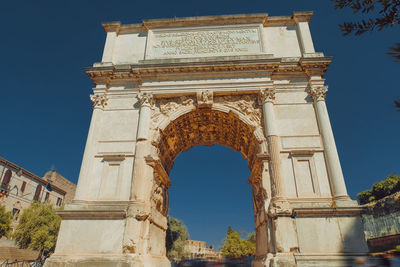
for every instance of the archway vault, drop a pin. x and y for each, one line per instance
(205, 126)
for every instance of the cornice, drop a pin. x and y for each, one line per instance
(216, 67)
(260, 18)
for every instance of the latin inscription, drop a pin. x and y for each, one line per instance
(205, 42)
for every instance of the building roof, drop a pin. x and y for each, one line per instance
(30, 175)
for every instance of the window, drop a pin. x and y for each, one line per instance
(23, 186)
(59, 201)
(37, 192)
(6, 180)
(47, 196)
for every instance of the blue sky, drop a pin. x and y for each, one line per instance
(45, 107)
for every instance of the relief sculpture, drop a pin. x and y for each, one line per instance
(246, 104)
(159, 198)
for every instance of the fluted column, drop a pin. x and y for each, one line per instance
(136, 227)
(141, 181)
(271, 132)
(318, 93)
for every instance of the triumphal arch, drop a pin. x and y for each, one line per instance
(253, 83)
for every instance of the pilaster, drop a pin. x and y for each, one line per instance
(99, 100)
(112, 33)
(303, 31)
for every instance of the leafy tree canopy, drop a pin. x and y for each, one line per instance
(5, 222)
(236, 247)
(382, 14)
(38, 228)
(176, 236)
(380, 189)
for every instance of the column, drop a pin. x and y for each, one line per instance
(271, 132)
(99, 101)
(135, 239)
(140, 168)
(318, 93)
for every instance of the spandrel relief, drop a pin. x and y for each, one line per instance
(245, 104)
(164, 107)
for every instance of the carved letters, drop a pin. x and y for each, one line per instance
(221, 41)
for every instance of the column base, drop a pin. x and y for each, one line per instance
(106, 261)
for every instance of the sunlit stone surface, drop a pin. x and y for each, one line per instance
(250, 82)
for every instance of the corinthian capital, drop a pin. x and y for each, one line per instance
(145, 99)
(99, 100)
(318, 93)
(268, 95)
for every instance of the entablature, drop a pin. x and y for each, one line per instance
(208, 67)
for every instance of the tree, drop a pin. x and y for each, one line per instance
(386, 16)
(384, 13)
(175, 239)
(38, 228)
(5, 222)
(380, 189)
(251, 244)
(235, 247)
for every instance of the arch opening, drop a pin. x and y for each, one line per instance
(209, 192)
(209, 126)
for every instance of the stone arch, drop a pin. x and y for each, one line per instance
(191, 125)
(241, 108)
(206, 126)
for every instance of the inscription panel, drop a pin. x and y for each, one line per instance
(205, 42)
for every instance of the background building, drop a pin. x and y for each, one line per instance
(19, 187)
(199, 250)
